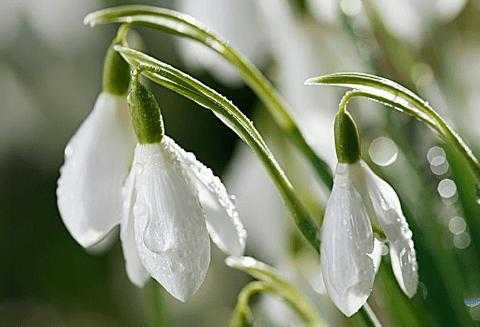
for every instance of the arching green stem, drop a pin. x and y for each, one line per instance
(400, 98)
(185, 26)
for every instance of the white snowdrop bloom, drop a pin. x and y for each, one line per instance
(360, 199)
(97, 161)
(172, 203)
(166, 207)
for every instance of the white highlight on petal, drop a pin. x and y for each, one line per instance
(223, 222)
(347, 246)
(136, 272)
(170, 230)
(389, 214)
(97, 160)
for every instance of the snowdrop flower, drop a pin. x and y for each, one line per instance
(168, 205)
(360, 199)
(172, 203)
(97, 160)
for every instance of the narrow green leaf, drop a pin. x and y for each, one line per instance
(180, 82)
(179, 24)
(398, 97)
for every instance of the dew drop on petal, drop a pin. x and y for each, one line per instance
(68, 151)
(447, 188)
(383, 151)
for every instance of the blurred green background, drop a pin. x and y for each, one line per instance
(50, 75)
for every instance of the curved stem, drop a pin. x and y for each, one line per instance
(242, 314)
(179, 24)
(434, 121)
(174, 79)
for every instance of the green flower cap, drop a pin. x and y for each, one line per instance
(145, 111)
(347, 143)
(116, 72)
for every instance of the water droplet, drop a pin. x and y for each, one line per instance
(462, 241)
(383, 151)
(435, 152)
(447, 188)
(439, 166)
(68, 151)
(457, 225)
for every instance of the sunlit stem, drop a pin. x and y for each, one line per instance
(431, 118)
(279, 110)
(183, 25)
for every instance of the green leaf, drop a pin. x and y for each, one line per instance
(179, 24)
(180, 82)
(398, 97)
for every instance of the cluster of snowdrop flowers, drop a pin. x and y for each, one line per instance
(350, 253)
(121, 169)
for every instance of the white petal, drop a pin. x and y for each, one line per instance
(223, 222)
(97, 159)
(136, 272)
(390, 217)
(347, 243)
(170, 229)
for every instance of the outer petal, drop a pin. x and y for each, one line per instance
(97, 160)
(223, 222)
(135, 269)
(170, 229)
(347, 245)
(390, 217)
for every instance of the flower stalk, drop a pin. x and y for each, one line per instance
(183, 25)
(116, 72)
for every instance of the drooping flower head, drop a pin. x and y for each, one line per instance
(165, 201)
(359, 200)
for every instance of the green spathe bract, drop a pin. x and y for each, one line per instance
(145, 111)
(116, 72)
(347, 143)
